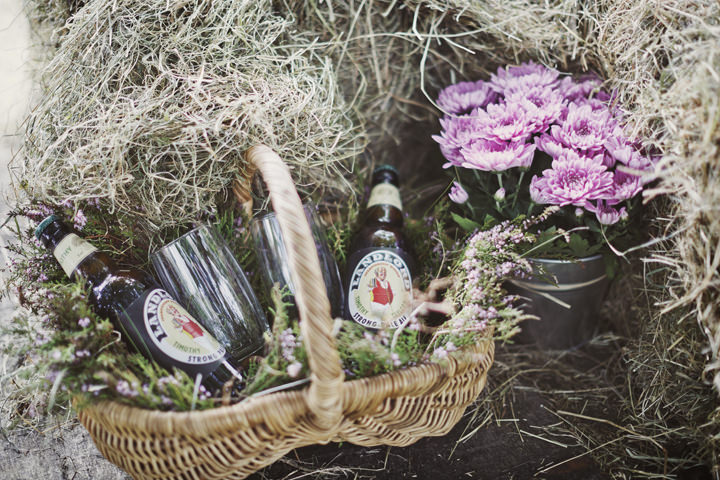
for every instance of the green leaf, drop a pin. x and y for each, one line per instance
(465, 223)
(578, 245)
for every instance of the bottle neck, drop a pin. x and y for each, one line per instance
(385, 194)
(54, 234)
(70, 251)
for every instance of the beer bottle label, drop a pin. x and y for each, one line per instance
(380, 290)
(177, 333)
(71, 251)
(385, 194)
(163, 330)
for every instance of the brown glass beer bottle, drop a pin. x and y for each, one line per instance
(379, 273)
(155, 324)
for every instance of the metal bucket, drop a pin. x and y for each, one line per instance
(566, 295)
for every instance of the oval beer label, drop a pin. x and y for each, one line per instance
(380, 293)
(177, 333)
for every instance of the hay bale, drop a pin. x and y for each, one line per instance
(150, 106)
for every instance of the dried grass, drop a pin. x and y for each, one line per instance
(150, 105)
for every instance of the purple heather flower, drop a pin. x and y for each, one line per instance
(293, 370)
(84, 322)
(542, 106)
(288, 343)
(124, 388)
(395, 359)
(492, 156)
(465, 96)
(584, 130)
(572, 180)
(505, 122)
(606, 214)
(458, 193)
(524, 76)
(440, 353)
(79, 220)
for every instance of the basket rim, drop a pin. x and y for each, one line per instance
(412, 380)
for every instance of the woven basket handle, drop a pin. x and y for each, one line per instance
(310, 296)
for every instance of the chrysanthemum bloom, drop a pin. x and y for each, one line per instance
(606, 214)
(458, 194)
(546, 143)
(627, 154)
(574, 90)
(492, 156)
(572, 180)
(624, 187)
(465, 96)
(524, 76)
(457, 132)
(584, 130)
(505, 122)
(542, 106)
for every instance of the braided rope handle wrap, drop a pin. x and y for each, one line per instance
(324, 394)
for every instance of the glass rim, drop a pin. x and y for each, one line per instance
(204, 226)
(272, 214)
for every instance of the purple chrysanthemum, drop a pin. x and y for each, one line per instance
(574, 90)
(457, 132)
(624, 187)
(572, 180)
(492, 156)
(457, 193)
(522, 77)
(505, 122)
(584, 130)
(626, 153)
(542, 106)
(465, 96)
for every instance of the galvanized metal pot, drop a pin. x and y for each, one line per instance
(567, 296)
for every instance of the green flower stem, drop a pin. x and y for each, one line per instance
(517, 190)
(497, 202)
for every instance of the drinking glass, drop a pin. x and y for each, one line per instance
(201, 273)
(273, 258)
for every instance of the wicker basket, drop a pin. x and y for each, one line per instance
(396, 408)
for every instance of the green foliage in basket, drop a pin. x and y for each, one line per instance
(69, 354)
(285, 358)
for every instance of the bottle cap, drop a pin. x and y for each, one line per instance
(385, 167)
(43, 225)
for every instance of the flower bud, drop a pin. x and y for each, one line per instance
(457, 193)
(499, 195)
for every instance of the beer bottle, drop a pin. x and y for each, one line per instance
(380, 265)
(155, 324)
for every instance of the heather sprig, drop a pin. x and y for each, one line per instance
(488, 259)
(285, 357)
